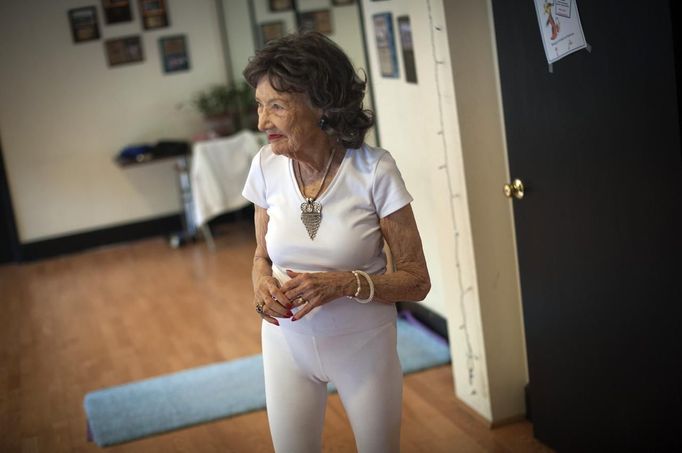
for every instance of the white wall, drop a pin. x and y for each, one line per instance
(420, 125)
(64, 114)
(421, 137)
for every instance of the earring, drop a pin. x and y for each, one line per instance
(323, 122)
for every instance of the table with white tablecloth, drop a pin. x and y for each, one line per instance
(218, 173)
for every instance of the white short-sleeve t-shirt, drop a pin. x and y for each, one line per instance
(366, 188)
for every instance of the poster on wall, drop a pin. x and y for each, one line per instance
(124, 50)
(560, 28)
(117, 11)
(84, 26)
(270, 31)
(320, 21)
(405, 31)
(153, 14)
(383, 34)
(174, 55)
(281, 5)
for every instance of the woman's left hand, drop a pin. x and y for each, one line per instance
(310, 290)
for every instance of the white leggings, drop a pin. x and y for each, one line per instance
(363, 366)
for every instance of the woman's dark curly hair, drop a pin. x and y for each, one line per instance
(310, 63)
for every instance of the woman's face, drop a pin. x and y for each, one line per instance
(288, 119)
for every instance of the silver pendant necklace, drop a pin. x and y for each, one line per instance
(311, 210)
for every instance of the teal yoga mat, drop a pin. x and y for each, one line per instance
(198, 395)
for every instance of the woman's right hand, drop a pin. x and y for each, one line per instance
(273, 301)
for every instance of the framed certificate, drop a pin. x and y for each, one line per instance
(174, 55)
(124, 50)
(154, 14)
(320, 21)
(281, 5)
(405, 31)
(385, 41)
(84, 26)
(117, 11)
(270, 31)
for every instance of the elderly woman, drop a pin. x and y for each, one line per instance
(324, 204)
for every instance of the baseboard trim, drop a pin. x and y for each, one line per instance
(508, 421)
(473, 413)
(428, 317)
(62, 245)
(484, 421)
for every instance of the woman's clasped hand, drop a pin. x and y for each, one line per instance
(304, 290)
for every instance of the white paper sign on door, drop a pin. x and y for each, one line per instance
(560, 28)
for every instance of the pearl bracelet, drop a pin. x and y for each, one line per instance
(371, 287)
(357, 280)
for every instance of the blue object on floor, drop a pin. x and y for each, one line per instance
(198, 395)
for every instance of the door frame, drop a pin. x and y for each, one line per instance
(473, 57)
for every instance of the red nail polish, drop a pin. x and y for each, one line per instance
(276, 322)
(293, 319)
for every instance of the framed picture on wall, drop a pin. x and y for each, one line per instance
(84, 26)
(124, 50)
(320, 21)
(270, 31)
(117, 11)
(153, 14)
(174, 55)
(342, 2)
(383, 34)
(405, 32)
(281, 5)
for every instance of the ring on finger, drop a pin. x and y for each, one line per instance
(259, 308)
(302, 300)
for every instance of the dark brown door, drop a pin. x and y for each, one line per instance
(597, 144)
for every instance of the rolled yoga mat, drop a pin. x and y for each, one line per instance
(207, 393)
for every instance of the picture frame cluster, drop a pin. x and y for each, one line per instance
(319, 20)
(123, 50)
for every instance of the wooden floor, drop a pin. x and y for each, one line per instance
(81, 322)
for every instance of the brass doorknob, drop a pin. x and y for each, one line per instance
(515, 189)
